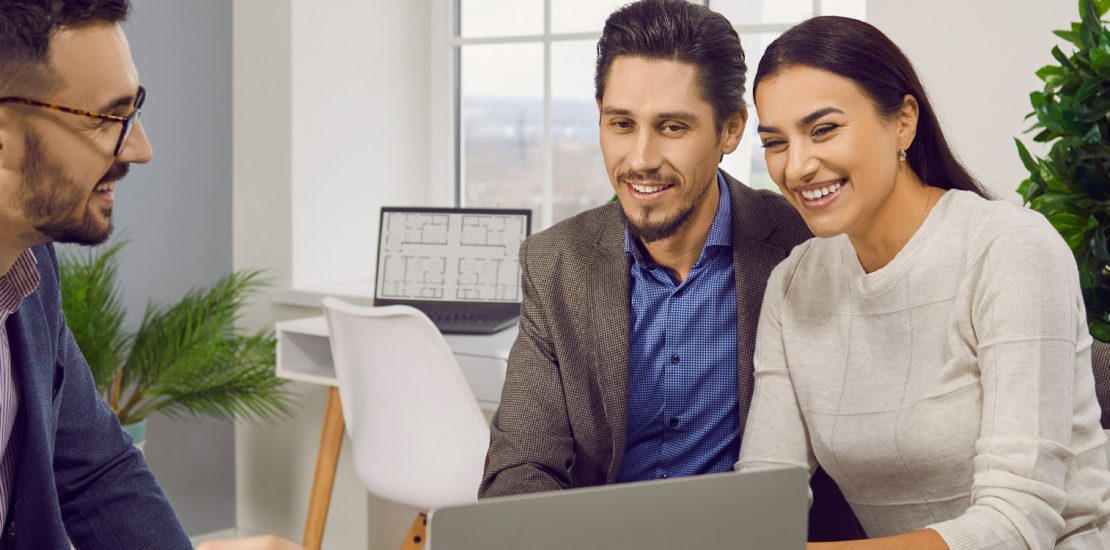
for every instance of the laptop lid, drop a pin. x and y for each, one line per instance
(467, 257)
(760, 509)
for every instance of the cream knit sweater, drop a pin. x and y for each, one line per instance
(951, 389)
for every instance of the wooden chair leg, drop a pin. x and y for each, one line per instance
(414, 540)
(331, 441)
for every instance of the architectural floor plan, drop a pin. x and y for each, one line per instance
(451, 256)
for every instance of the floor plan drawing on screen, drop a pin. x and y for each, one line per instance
(452, 256)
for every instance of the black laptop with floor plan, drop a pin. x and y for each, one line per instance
(460, 266)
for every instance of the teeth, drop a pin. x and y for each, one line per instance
(648, 189)
(814, 194)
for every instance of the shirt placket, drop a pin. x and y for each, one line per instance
(675, 387)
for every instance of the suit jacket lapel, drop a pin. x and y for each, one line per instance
(611, 305)
(753, 260)
(34, 370)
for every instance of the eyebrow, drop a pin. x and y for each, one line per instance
(684, 116)
(118, 103)
(805, 121)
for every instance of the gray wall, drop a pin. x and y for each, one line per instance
(176, 211)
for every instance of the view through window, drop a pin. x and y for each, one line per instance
(528, 123)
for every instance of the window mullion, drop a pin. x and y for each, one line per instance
(548, 206)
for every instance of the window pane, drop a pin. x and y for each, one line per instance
(484, 18)
(502, 125)
(847, 8)
(580, 182)
(757, 12)
(581, 15)
(746, 163)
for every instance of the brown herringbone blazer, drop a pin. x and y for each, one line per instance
(563, 416)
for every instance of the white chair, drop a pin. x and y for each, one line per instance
(419, 437)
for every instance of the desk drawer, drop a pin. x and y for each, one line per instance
(486, 376)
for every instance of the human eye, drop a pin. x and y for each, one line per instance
(621, 124)
(674, 128)
(824, 130)
(773, 144)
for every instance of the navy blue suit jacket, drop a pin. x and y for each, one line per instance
(77, 472)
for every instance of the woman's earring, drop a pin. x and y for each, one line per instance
(902, 155)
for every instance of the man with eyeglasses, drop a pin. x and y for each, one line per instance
(70, 102)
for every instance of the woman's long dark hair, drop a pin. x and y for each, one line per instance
(860, 52)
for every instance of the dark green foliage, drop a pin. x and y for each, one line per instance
(185, 358)
(1071, 185)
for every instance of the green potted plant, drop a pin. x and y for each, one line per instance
(184, 358)
(1071, 184)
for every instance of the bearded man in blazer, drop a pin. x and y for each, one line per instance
(638, 318)
(70, 101)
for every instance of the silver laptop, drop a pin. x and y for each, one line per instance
(460, 266)
(762, 509)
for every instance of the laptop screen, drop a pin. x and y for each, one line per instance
(450, 254)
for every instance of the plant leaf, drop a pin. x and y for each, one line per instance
(93, 309)
(1099, 248)
(1026, 158)
(1052, 75)
(1070, 36)
(1100, 330)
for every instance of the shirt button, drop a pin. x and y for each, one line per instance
(663, 476)
(674, 422)
(674, 359)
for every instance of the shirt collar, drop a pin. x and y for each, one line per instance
(720, 232)
(19, 282)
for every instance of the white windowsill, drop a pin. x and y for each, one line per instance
(356, 292)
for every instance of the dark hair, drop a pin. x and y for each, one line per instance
(25, 30)
(681, 31)
(860, 52)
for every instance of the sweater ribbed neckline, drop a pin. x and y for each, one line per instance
(882, 279)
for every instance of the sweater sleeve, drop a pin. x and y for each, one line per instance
(1027, 314)
(775, 433)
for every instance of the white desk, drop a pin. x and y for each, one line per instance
(304, 354)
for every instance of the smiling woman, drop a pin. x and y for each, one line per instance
(928, 348)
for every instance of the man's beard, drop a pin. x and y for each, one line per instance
(50, 198)
(647, 231)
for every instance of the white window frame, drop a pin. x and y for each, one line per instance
(448, 169)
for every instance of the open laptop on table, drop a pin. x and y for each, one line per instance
(761, 509)
(460, 266)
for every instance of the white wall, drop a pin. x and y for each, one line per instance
(331, 121)
(360, 129)
(977, 60)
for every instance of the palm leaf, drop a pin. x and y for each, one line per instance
(185, 332)
(235, 380)
(186, 358)
(94, 310)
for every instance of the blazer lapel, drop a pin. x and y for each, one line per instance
(611, 304)
(34, 370)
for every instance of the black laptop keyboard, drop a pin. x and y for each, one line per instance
(455, 317)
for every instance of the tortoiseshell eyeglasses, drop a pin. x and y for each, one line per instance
(128, 122)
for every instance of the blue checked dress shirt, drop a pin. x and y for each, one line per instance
(683, 412)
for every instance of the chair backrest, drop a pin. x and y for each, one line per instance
(1100, 364)
(419, 437)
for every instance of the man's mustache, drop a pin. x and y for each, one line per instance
(654, 175)
(117, 172)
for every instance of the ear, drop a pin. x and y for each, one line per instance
(907, 121)
(732, 130)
